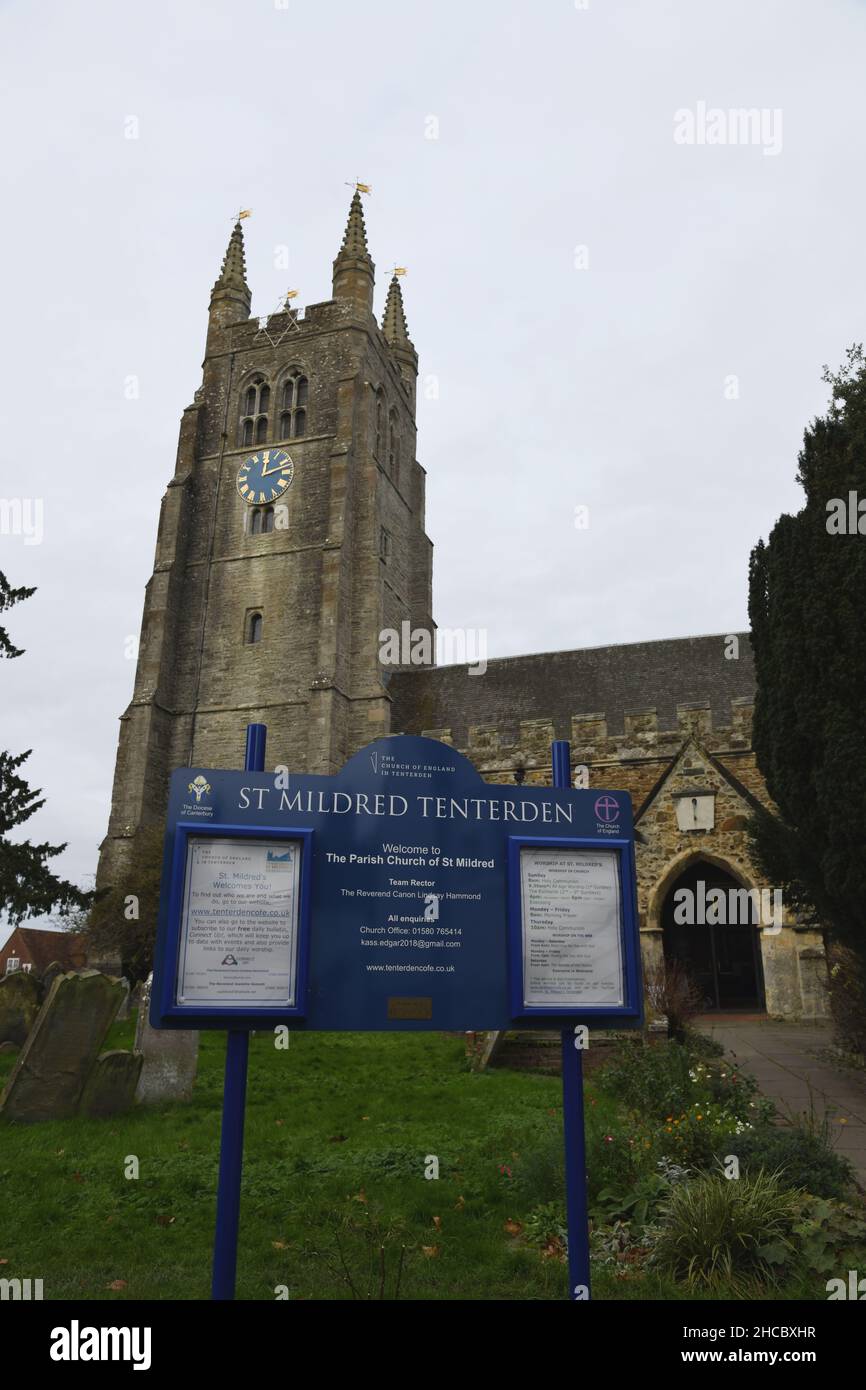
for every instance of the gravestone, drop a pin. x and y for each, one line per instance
(19, 1005)
(50, 974)
(170, 1058)
(123, 1012)
(110, 1087)
(49, 1077)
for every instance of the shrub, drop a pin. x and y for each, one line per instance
(650, 1077)
(848, 999)
(804, 1157)
(713, 1231)
(672, 994)
(634, 1206)
(694, 1137)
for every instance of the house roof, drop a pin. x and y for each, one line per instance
(45, 947)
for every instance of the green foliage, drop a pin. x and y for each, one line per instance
(804, 1157)
(847, 993)
(665, 1080)
(28, 888)
(636, 1205)
(8, 599)
(714, 1231)
(545, 1226)
(118, 926)
(807, 597)
(830, 1236)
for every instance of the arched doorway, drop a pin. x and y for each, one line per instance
(723, 957)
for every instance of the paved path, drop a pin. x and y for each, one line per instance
(782, 1058)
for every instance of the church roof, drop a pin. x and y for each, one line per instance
(608, 681)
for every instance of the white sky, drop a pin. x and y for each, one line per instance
(558, 387)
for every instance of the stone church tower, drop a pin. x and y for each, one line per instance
(272, 613)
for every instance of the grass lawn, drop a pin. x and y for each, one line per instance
(338, 1131)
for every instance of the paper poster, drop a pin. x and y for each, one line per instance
(239, 926)
(571, 922)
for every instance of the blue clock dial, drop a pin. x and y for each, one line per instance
(265, 476)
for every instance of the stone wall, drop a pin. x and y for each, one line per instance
(699, 746)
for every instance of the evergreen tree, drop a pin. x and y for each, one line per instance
(122, 921)
(807, 608)
(28, 888)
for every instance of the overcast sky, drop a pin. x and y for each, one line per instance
(616, 318)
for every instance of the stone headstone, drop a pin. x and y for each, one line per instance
(19, 1005)
(110, 1087)
(50, 974)
(170, 1058)
(123, 1012)
(49, 1077)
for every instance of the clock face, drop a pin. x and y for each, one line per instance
(265, 476)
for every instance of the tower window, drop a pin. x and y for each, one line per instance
(384, 545)
(293, 420)
(261, 521)
(393, 447)
(254, 627)
(255, 405)
(380, 423)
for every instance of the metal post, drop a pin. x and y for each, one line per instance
(577, 1214)
(225, 1247)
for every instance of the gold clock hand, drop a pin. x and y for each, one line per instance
(277, 468)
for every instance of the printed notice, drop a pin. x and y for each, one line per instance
(239, 928)
(571, 913)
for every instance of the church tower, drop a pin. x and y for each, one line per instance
(291, 534)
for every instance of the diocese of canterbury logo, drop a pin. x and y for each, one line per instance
(200, 787)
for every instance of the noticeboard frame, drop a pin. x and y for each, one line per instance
(630, 1013)
(166, 1007)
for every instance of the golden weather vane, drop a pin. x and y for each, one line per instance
(358, 186)
(399, 270)
(244, 212)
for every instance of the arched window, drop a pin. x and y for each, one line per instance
(255, 403)
(393, 446)
(293, 420)
(262, 521)
(254, 628)
(380, 423)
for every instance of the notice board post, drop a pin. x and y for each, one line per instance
(574, 1129)
(225, 1249)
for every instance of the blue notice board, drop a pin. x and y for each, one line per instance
(403, 893)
